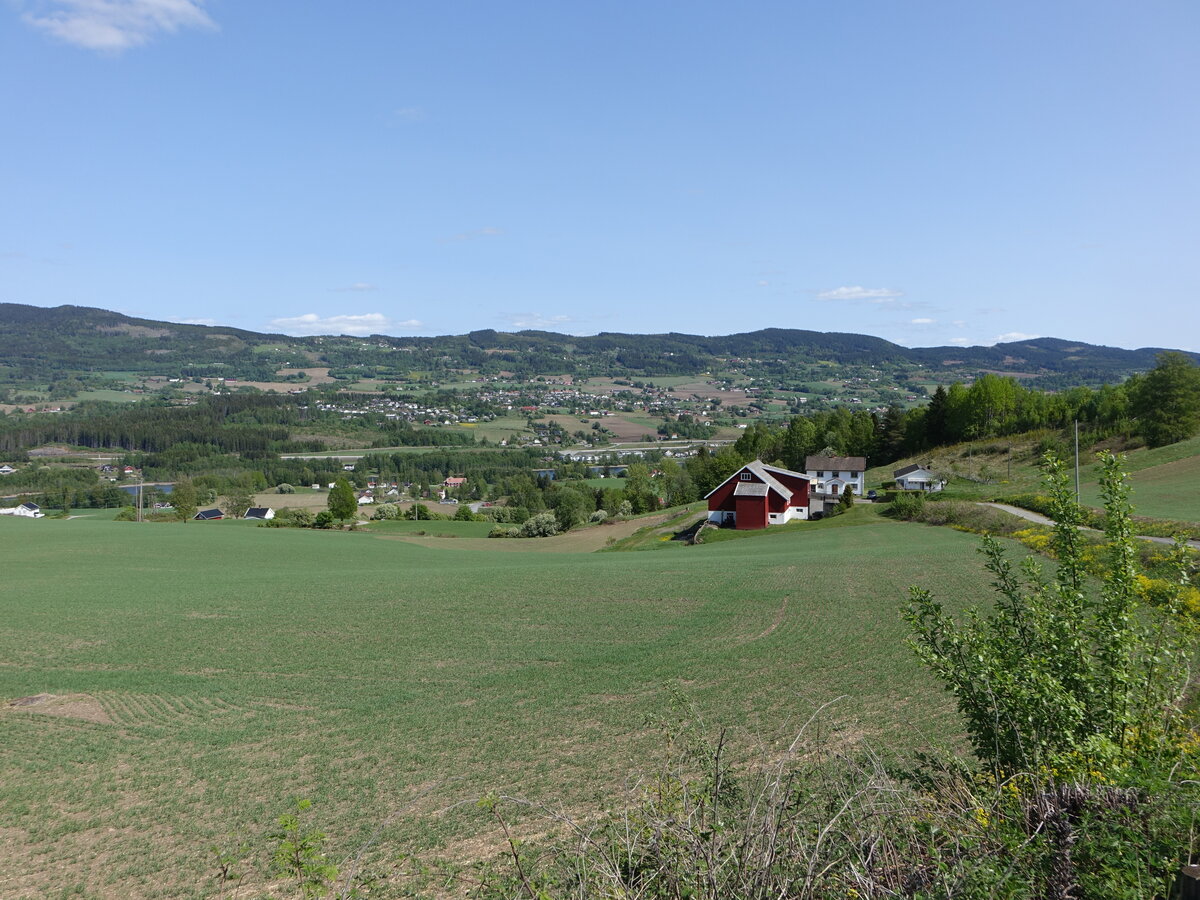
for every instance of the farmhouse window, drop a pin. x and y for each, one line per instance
(745, 476)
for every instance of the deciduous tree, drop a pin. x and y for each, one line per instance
(1166, 400)
(342, 502)
(183, 499)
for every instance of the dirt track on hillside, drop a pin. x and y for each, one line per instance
(585, 540)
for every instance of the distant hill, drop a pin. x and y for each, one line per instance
(44, 344)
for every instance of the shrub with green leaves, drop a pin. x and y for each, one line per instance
(907, 505)
(1061, 676)
(386, 512)
(542, 525)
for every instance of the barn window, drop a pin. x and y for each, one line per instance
(745, 476)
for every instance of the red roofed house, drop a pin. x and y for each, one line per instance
(454, 482)
(758, 495)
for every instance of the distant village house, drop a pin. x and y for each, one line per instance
(25, 510)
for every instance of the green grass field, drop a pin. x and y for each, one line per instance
(609, 482)
(431, 527)
(1166, 480)
(202, 676)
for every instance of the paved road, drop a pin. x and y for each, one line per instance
(1042, 520)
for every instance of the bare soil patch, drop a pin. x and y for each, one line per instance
(686, 391)
(65, 706)
(135, 330)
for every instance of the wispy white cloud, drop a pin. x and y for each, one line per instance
(356, 288)
(114, 26)
(923, 321)
(536, 321)
(858, 292)
(367, 323)
(1009, 336)
(476, 234)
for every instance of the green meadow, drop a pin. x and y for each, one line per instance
(169, 687)
(1165, 480)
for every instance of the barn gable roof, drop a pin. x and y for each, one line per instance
(763, 471)
(751, 489)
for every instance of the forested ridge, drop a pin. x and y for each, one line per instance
(42, 343)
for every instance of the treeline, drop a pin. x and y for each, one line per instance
(250, 424)
(1162, 406)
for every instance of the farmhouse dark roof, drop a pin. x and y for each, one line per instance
(915, 467)
(210, 514)
(257, 512)
(841, 463)
(32, 507)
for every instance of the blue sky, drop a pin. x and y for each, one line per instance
(929, 172)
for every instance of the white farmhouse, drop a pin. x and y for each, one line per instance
(831, 475)
(26, 510)
(917, 478)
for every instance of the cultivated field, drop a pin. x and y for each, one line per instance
(165, 688)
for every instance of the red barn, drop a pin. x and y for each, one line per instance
(758, 495)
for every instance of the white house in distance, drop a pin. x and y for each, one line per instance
(833, 474)
(259, 512)
(6, 469)
(917, 478)
(26, 510)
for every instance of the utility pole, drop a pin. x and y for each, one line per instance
(1076, 460)
(139, 515)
